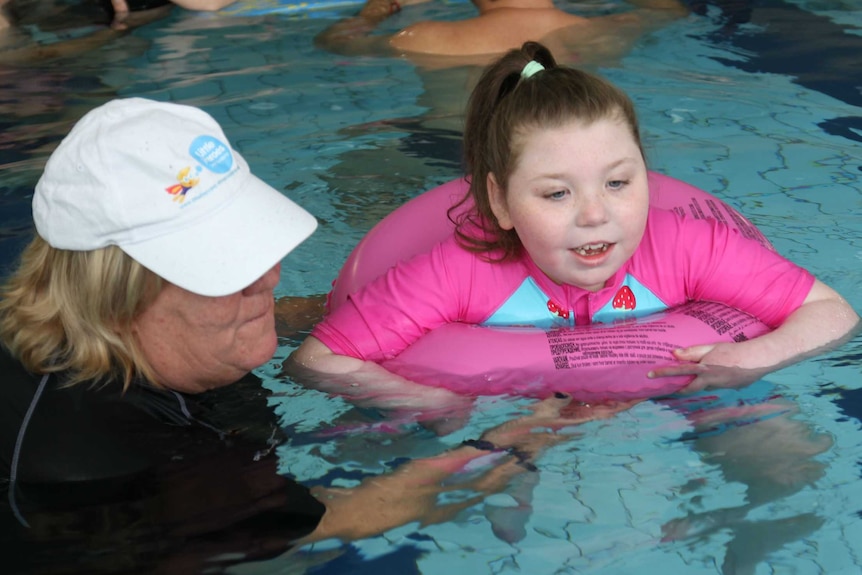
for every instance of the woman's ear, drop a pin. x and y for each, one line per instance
(497, 200)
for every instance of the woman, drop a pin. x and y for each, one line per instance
(148, 286)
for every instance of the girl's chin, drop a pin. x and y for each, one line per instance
(590, 287)
(586, 281)
(588, 284)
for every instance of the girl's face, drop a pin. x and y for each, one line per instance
(578, 200)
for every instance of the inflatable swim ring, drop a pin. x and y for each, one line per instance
(592, 363)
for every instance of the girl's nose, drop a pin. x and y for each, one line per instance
(266, 282)
(592, 211)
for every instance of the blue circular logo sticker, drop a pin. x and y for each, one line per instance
(212, 154)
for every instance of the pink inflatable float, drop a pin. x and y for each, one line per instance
(592, 363)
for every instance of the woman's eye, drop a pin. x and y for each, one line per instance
(616, 184)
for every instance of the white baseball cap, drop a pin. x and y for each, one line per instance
(161, 181)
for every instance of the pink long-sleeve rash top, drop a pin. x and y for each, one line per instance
(679, 260)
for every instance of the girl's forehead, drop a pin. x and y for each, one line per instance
(575, 128)
(577, 146)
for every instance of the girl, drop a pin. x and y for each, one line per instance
(561, 228)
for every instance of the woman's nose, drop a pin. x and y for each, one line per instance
(266, 282)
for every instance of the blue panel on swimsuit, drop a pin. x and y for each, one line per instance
(527, 306)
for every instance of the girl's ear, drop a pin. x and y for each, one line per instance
(497, 200)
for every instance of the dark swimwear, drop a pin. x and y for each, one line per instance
(137, 482)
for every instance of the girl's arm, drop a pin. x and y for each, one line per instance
(413, 297)
(367, 384)
(823, 322)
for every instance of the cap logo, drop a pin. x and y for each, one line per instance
(186, 180)
(212, 153)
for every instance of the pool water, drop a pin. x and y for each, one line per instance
(755, 101)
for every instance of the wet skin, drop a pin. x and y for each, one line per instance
(197, 342)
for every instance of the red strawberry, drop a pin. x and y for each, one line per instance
(625, 299)
(555, 308)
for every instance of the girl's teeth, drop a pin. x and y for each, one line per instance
(591, 249)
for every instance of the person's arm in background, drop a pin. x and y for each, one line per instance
(670, 5)
(604, 40)
(660, 9)
(651, 14)
(5, 21)
(353, 36)
(122, 14)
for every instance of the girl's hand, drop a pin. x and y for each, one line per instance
(695, 353)
(714, 366)
(823, 322)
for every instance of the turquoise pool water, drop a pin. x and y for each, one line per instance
(764, 112)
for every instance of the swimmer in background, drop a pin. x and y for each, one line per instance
(449, 56)
(559, 181)
(78, 29)
(123, 9)
(500, 25)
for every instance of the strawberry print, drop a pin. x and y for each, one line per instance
(625, 299)
(555, 308)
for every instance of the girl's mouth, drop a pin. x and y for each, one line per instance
(588, 250)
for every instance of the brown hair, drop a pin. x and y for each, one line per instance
(72, 312)
(502, 109)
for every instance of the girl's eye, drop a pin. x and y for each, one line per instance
(557, 195)
(616, 184)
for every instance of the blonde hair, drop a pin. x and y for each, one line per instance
(72, 311)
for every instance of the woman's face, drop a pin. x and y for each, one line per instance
(578, 199)
(195, 342)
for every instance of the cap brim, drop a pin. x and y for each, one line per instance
(229, 250)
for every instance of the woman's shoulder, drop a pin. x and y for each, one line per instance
(96, 431)
(54, 434)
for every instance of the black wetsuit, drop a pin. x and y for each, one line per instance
(141, 482)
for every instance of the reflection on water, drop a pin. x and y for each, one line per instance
(763, 447)
(732, 482)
